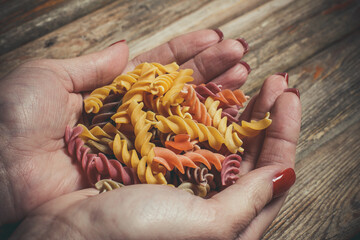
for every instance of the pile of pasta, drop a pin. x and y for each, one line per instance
(152, 126)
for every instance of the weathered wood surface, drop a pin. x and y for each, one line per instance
(317, 42)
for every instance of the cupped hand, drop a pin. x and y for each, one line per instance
(44, 96)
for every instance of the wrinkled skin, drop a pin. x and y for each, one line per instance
(45, 189)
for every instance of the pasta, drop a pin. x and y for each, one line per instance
(152, 126)
(198, 176)
(229, 98)
(170, 160)
(209, 90)
(180, 125)
(96, 166)
(230, 170)
(95, 101)
(197, 190)
(196, 108)
(106, 185)
(108, 109)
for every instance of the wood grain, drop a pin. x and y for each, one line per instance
(24, 21)
(325, 201)
(317, 42)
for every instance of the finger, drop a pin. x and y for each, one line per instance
(179, 49)
(245, 199)
(271, 89)
(234, 77)
(262, 221)
(282, 135)
(90, 71)
(215, 60)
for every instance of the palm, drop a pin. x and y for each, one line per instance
(35, 141)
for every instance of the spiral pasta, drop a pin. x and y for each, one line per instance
(95, 101)
(198, 176)
(252, 128)
(96, 166)
(151, 126)
(196, 108)
(107, 185)
(232, 140)
(154, 104)
(170, 160)
(230, 170)
(197, 190)
(229, 98)
(110, 104)
(179, 125)
(143, 145)
(204, 91)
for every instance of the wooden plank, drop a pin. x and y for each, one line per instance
(129, 21)
(16, 13)
(30, 20)
(324, 203)
(285, 44)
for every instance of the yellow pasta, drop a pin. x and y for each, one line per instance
(154, 103)
(97, 133)
(232, 140)
(195, 130)
(145, 83)
(95, 101)
(252, 128)
(171, 96)
(143, 145)
(162, 83)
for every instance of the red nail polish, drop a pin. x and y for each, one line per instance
(123, 40)
(293, 90)
(248, 68)
(283, 181)
(245, 45)
(220, 33)
(285, 75)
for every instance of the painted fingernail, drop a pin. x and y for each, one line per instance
(293, 90)
(248, 68)
(283, 181)
(220, 33)
(120, 41)
(285, 75)
(245, 45)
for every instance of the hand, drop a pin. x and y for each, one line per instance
(35, 161)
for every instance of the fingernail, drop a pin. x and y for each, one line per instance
(220, 33)
(123, 40)
(283, 181)
(246, 66)
(293, 90)
(285, 75)
(245, 44)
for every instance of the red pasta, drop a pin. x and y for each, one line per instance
(230, 170)
(210, 89)
(96, 166)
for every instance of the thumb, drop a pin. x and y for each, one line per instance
(93, 70)
(245, 199)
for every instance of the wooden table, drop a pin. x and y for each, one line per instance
(316, 41)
